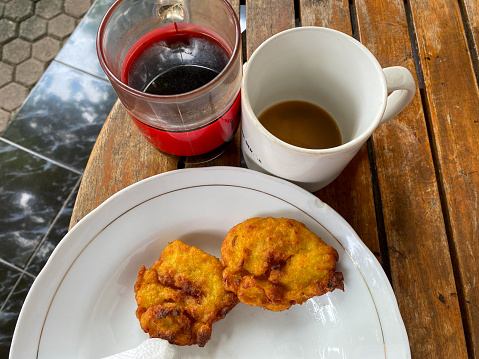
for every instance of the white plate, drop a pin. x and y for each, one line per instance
(82, 304)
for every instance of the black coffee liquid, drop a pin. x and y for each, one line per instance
(180, 79)
(174, 61)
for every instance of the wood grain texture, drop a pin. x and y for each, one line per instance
(471, 10)
(421, 269)
(265, 18)
(333, 14)
(121, 156)
(235, 4)
(351, 193)
(452, 100)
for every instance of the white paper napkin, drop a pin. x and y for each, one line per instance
(150, 349)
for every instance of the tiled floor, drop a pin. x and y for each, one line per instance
(43, 152)
(31, 34)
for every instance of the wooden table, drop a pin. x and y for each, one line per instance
(411, 193)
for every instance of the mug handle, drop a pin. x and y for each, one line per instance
(401, 89)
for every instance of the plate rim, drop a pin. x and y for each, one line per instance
(90, 220)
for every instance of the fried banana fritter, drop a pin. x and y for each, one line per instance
(275, 263)
(182, 295)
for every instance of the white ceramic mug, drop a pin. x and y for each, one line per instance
(329, 69)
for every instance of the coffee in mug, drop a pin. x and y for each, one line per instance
(327, 69)
(302, 124)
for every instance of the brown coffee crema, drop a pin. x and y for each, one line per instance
(301, 124)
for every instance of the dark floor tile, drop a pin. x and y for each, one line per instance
(80, 49)
(10, 311)
(8, 278)
(32, 192)
(54, 236)
(63, 115)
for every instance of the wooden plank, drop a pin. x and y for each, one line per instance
(235, 4)
(265, 18)
(471, 10)
(121, 156)
(351, 193)
(421, 269)
(330, 14)
(452, 100)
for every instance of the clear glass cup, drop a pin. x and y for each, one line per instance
(193, 121)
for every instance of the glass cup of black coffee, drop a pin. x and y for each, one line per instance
(176, 67)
